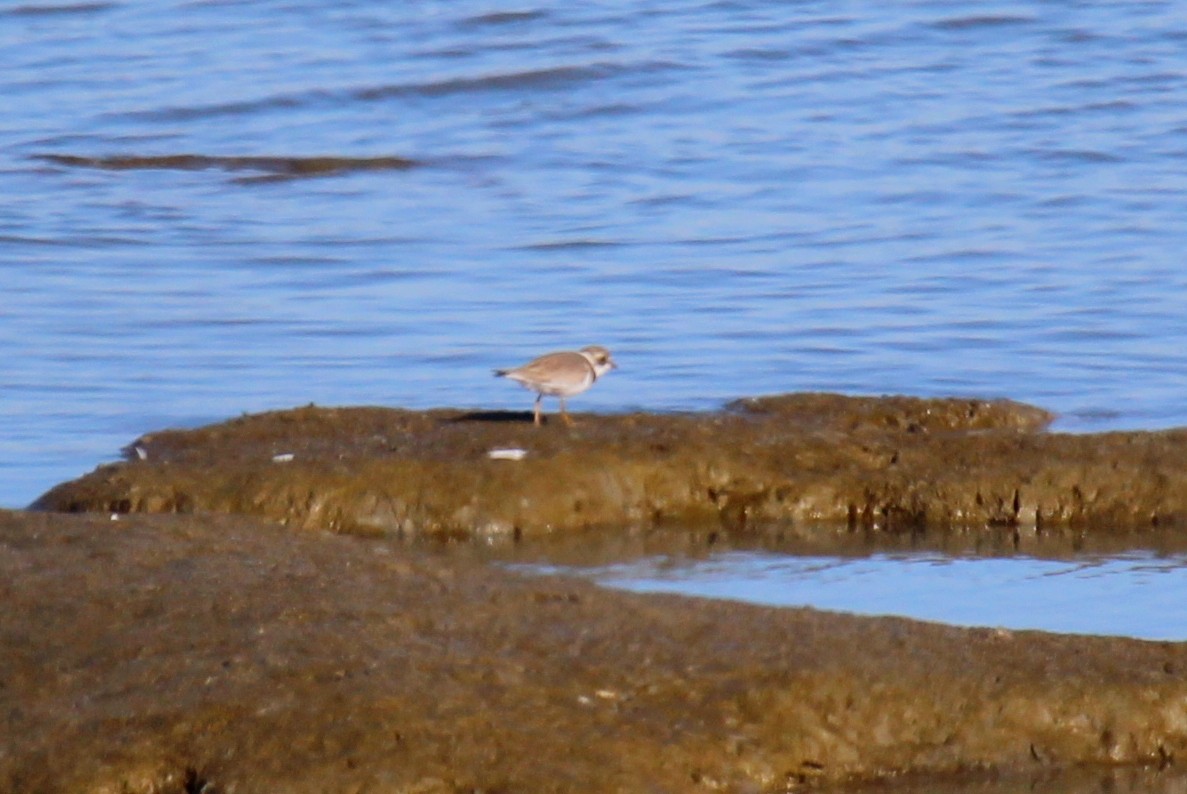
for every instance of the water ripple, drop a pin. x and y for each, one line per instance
(975, 21)
(504, 18)
(737, 197)
(549, 79)
(64, 9)
(554, 78)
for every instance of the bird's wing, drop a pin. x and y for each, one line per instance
(554, 369)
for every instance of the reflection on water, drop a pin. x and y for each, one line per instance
(1124, 584)
(1136, 594)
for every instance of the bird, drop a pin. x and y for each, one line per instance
(561, 374)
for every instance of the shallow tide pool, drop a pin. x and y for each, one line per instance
(1136, 594)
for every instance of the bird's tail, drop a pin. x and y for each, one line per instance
(500, 373)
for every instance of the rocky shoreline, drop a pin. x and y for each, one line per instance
(180, 636)
(889, 464)
(222, 653)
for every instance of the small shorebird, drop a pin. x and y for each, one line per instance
(561, 374)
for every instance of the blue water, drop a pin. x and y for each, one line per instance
(1135, 594)
(931, 198)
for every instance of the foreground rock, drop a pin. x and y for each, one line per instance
(885, 463)
(180, 654)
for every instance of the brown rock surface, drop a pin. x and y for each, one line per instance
(886, 463)
(222, 654)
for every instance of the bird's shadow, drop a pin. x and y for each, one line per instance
(494, 416)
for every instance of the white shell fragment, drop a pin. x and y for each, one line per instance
(283, 457)
(507, 453)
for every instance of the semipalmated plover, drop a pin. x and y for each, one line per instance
(561, 374)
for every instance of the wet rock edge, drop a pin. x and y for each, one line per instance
(885, 464)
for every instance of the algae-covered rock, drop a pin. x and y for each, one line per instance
(889, 463)
(174, 654)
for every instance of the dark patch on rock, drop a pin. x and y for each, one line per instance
(269, 167)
